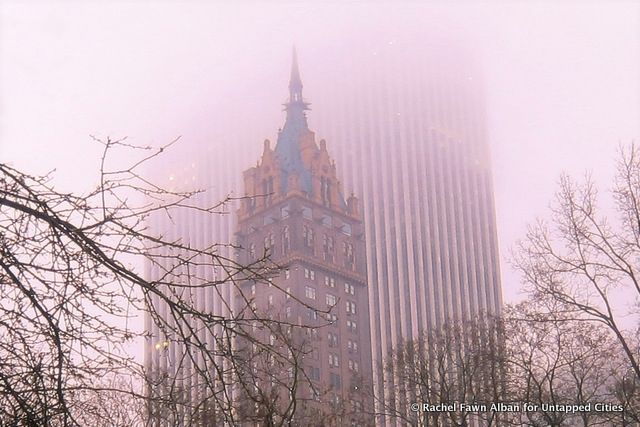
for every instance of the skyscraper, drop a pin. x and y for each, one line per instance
(410, 135)
(297, 213)
(407, 128)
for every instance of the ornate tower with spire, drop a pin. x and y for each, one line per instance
(296, 212)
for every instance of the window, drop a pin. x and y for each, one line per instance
(272, 340)
(308, 236)
(325, 190)
(331, 300)
(327, 247)
(349, 289)
(270, 300)
(288, 290)
(314, 373)
(267, 189)
(314, 393)
(332, 318)
(287, 273)
(286, 240)
(332, 339)
(346, 229)
(351, 307)
(309, 274)
(352, 346)
(335, 400)
(312, 314)
(329, 281)
(252, 250)
(334, 380)
(353, 366)
(349, 258)
(269, 241)
(352, 326)
(310, 292)
(253, 289)
(285, 212)
(326, 221)
(289, 312)
(334, 361)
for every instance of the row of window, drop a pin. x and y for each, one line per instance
(334, 362)
(310, 291)
(308, 238)
(333, 341)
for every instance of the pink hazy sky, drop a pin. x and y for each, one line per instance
(562, 80)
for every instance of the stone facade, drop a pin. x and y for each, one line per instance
(295, 213)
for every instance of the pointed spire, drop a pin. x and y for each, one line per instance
(288, 149)
(296, 104)
(295, 82)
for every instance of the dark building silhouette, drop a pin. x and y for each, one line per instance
(298, 215)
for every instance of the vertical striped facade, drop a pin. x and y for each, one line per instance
(407, 126)
(410, 135)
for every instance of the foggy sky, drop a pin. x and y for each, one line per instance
(562, 81)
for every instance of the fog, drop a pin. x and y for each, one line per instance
(561, 81)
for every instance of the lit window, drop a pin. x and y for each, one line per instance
(288, 290)
(348, 288)
(310, 292)
(309, 274)
(350, 307)
(332, 339)
(331, 300)
(287, 273)
(334, 361)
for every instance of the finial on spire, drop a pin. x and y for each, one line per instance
(295, 82)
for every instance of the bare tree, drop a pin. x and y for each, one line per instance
(71, 294)
(583, 258)
(460, 362)
(553, 360)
